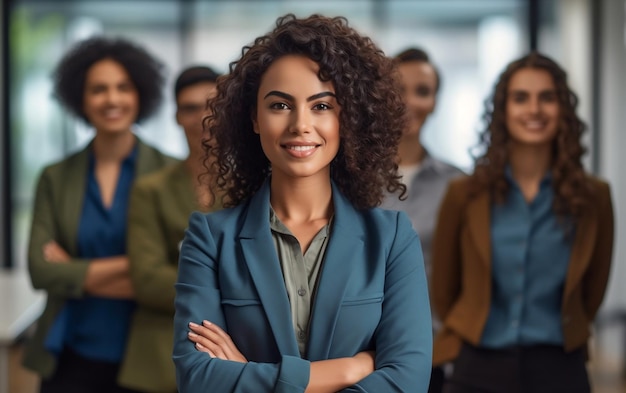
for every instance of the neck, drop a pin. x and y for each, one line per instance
(530, 163)
(410, 150)
(113, 147)
(194, 163)
(302, 199)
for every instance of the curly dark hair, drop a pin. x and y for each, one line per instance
(144, 70)
(571, 185)
(367, 88)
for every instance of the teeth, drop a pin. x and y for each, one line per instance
(301, 148)
(534, 124)
(113, 113)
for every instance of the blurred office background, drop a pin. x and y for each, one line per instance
(469, 40)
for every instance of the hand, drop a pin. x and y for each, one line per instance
(211, 339)
(365, 364)
(54, 253)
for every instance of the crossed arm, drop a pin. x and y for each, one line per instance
(53, 269)
(402, 340)
(325, 375)
(105, 277)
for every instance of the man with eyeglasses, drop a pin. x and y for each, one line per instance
(159, 209)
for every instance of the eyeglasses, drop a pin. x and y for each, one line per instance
(190, 109)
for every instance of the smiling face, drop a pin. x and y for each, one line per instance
(419, 83)
(110, 100)
(297, 118)
(532, 107)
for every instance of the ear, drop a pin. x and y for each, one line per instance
(434, 105)
(255, 123)
(178, 118)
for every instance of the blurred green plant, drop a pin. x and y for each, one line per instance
(31, 38)
(28, 37)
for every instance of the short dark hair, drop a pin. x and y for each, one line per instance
(192, 75)
(144, 70)
(418, 54)
(368, 92)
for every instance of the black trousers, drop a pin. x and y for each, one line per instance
(436, 380)
(532, 369)
(77, 374)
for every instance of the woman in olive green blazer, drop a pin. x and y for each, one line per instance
(58, 201)
(77, 247)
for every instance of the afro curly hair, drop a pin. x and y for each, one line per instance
(144, 70)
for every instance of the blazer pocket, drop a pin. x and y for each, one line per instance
(357, 321)
(364, 299)
(240, 302)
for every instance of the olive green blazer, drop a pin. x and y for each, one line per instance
(461, 284)
(159, 210)
(57, 209)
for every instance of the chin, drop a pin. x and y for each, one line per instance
(535, 140)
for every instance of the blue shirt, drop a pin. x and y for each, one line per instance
(530, 250)
(97, 327)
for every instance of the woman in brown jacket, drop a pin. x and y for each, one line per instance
(522, 249)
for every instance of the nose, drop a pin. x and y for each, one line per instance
(534, 105)
(301, 121)
(112, 96)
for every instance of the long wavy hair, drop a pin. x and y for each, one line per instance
(367, 89)
(570, 183)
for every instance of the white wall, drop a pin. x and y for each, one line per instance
(613, 136)
(2, 131)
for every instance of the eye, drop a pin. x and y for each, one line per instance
(322, 107)
(279, 106)
(548, 96)
(519, 97)
(126, 87)
(96, 89)
(422, 91)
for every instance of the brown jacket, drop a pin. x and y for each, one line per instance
(461, 281)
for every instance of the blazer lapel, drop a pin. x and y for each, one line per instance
(147, 159)
(479, 224)
(582, 249)
(74, 196)
(260, 255)
(183, 188)
(346, 242)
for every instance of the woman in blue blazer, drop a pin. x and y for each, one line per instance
(301, 284)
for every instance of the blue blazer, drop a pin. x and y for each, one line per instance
(371, 295)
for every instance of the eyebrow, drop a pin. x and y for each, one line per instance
(291, 98)
(522, 91)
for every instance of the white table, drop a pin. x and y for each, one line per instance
(20, 306)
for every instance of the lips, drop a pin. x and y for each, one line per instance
(535, 125)
(300, 150)
(113, 114)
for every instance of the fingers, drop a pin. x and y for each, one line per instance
(211, 339)
(202, 348)
(52, 252)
